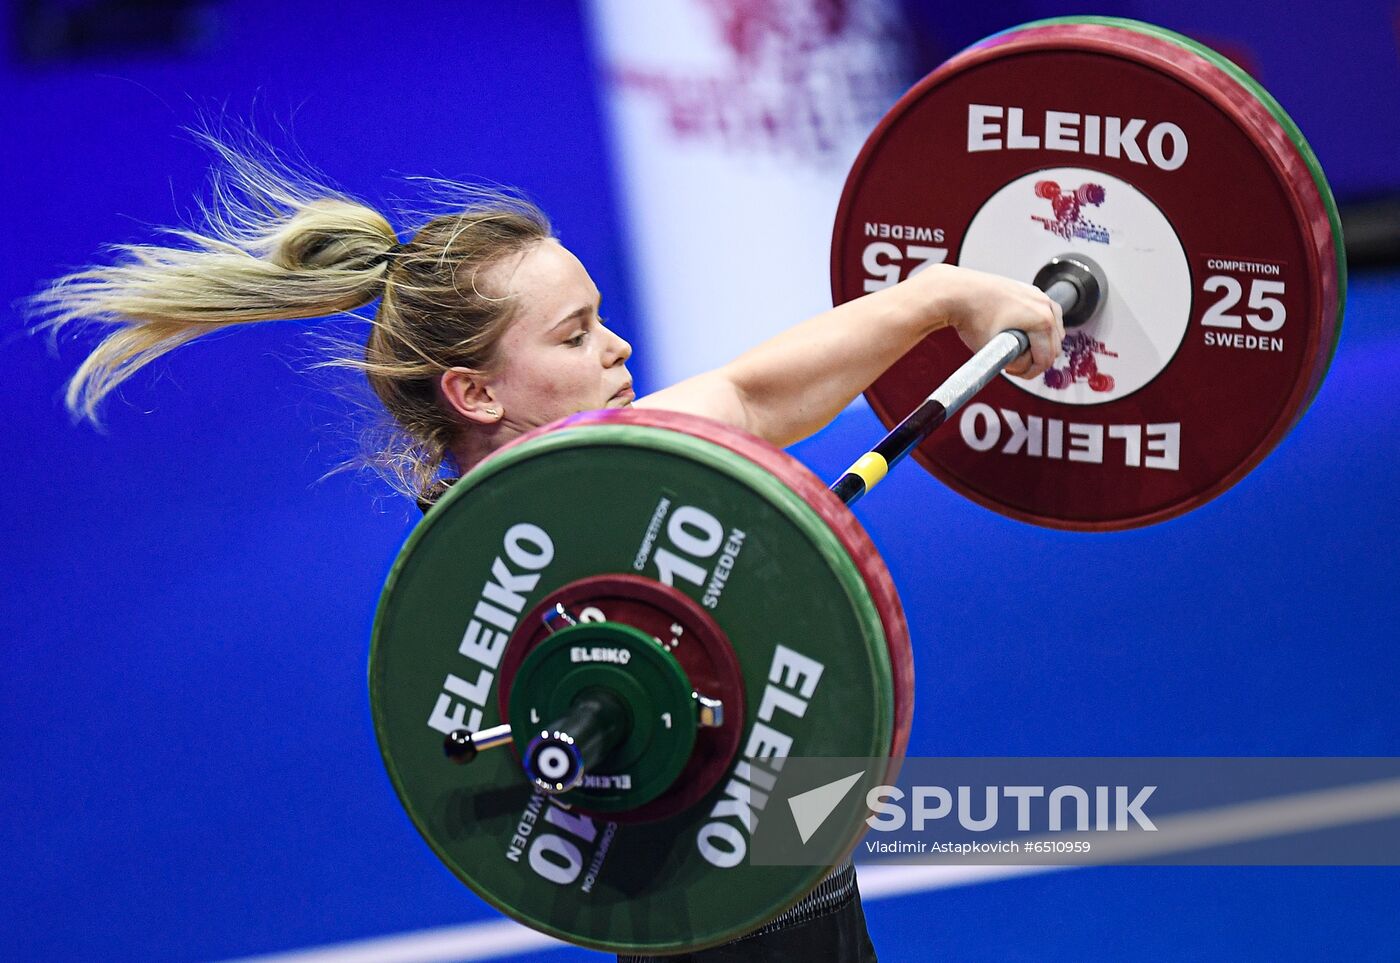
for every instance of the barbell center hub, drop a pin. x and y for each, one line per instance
(1077, 284)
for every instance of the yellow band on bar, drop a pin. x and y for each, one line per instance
(870, 468)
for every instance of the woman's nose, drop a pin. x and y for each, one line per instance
(620, 349)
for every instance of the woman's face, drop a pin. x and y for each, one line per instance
(556, 357)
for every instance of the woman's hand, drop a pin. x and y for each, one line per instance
(979, 306)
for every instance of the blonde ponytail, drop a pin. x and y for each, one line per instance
(274, 246)
(277, 245)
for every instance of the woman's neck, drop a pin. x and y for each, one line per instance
(474, 445)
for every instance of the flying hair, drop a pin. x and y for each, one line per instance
(278, 244)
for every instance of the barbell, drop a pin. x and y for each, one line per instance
(651, 611)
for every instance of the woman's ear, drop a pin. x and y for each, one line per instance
(469, 394)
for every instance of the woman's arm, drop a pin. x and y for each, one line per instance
(795, 383)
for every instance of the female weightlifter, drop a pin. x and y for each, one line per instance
(488, 327)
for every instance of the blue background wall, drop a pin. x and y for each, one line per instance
(190, 771)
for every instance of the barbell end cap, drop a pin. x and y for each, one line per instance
(554, 763)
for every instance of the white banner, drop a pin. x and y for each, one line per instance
(734, 125)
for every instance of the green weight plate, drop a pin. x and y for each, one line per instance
(612, 493)
(854, 539)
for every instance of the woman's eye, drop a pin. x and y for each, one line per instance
(577, 339)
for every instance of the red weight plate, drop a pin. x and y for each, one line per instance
(669, 616)
(1160, 162)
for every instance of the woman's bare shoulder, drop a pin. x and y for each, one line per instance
(709, 395)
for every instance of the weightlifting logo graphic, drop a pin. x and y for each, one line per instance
(1069, 221)
(1081, 347)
